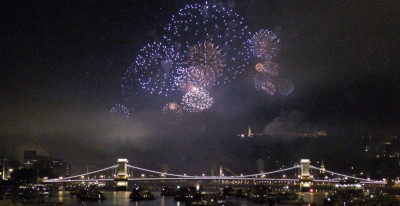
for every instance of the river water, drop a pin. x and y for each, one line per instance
(122, 199)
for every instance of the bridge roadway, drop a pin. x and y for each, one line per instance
(217, 182)
(207, 178)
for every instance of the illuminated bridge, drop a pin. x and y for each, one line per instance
(301, 175)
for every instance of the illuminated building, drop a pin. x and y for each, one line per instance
(249, 133)
(60, 168)
(322, 171)
(46, 166)
(4, 169)
(30, 157)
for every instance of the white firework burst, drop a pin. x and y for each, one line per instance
(196, 100)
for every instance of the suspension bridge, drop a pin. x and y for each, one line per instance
(302, 175)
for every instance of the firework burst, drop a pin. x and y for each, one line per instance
(172, 113)
(259, 67)
(154, 70)
(196, 100)
(269, 88)
(208, 59)
(192, 76)
(263, 83)
(285, 87)
(271, 68)
(264, 44)
(211, 37)
(119, 112)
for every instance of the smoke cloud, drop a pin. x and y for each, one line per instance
(284, 124)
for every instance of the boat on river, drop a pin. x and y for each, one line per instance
(140, 193)
(187, 193)
(90, 194)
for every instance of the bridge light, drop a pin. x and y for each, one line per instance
(203, 175)
(142, 175)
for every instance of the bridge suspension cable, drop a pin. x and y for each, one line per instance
(342, 175)
(272, 172)
(89, 173)
(230, 171)
(156, 172)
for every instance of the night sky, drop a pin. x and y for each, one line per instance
(62, 63)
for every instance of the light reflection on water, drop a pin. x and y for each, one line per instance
(115, 198)
(122, 199)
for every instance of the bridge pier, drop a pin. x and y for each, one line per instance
(122, 175)
(305, 178)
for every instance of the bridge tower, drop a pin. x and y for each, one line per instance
(305, 177)
(122, 175)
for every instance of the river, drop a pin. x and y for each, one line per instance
(122, 199)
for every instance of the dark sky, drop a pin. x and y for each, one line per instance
(62, 62)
